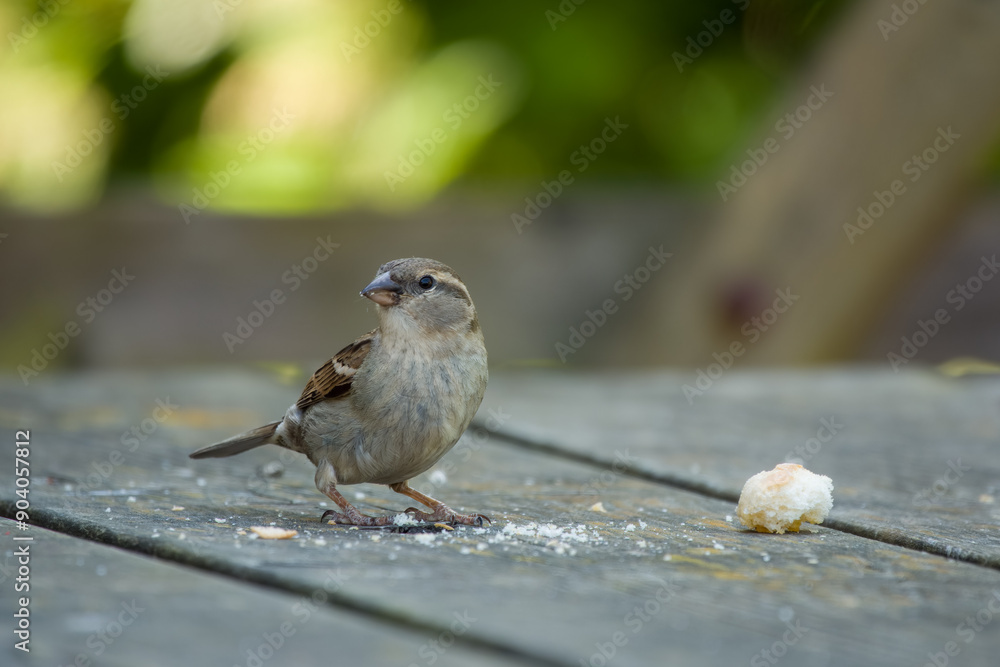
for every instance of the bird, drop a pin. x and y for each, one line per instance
(388, 406)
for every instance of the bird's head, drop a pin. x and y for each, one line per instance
(417, 293)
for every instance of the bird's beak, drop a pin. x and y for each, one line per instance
(383, 290)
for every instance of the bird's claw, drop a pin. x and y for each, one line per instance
(356, 518)
(337, 517)
(444, 514)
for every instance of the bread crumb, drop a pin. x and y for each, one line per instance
(272, 533)
(404, 519)
(779, 500)
(597, 507)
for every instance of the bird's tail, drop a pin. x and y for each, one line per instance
(238, 444)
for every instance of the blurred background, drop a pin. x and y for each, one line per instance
(620, 184)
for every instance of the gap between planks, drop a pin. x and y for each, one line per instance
(883, 534)
(101, 534)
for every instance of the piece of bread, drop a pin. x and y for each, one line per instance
(273, 533)
(777, 500)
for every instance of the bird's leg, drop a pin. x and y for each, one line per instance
(326, 482)
(351, 515)
(442, 513)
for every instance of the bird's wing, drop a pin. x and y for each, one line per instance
(333, 379)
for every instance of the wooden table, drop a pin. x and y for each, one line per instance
(614, 538)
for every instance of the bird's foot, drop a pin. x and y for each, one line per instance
(352, 517)
(444, 514)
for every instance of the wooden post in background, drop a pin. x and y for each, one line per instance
(913, 107)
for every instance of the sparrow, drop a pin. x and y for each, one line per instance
(388, 406)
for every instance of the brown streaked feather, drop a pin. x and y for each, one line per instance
(333, 379)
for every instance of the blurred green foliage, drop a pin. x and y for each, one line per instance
(305, 105)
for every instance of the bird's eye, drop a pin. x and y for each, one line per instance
(426, 282)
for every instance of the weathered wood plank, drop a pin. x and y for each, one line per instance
(913, 456)
(557, 593)
(92, 604)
